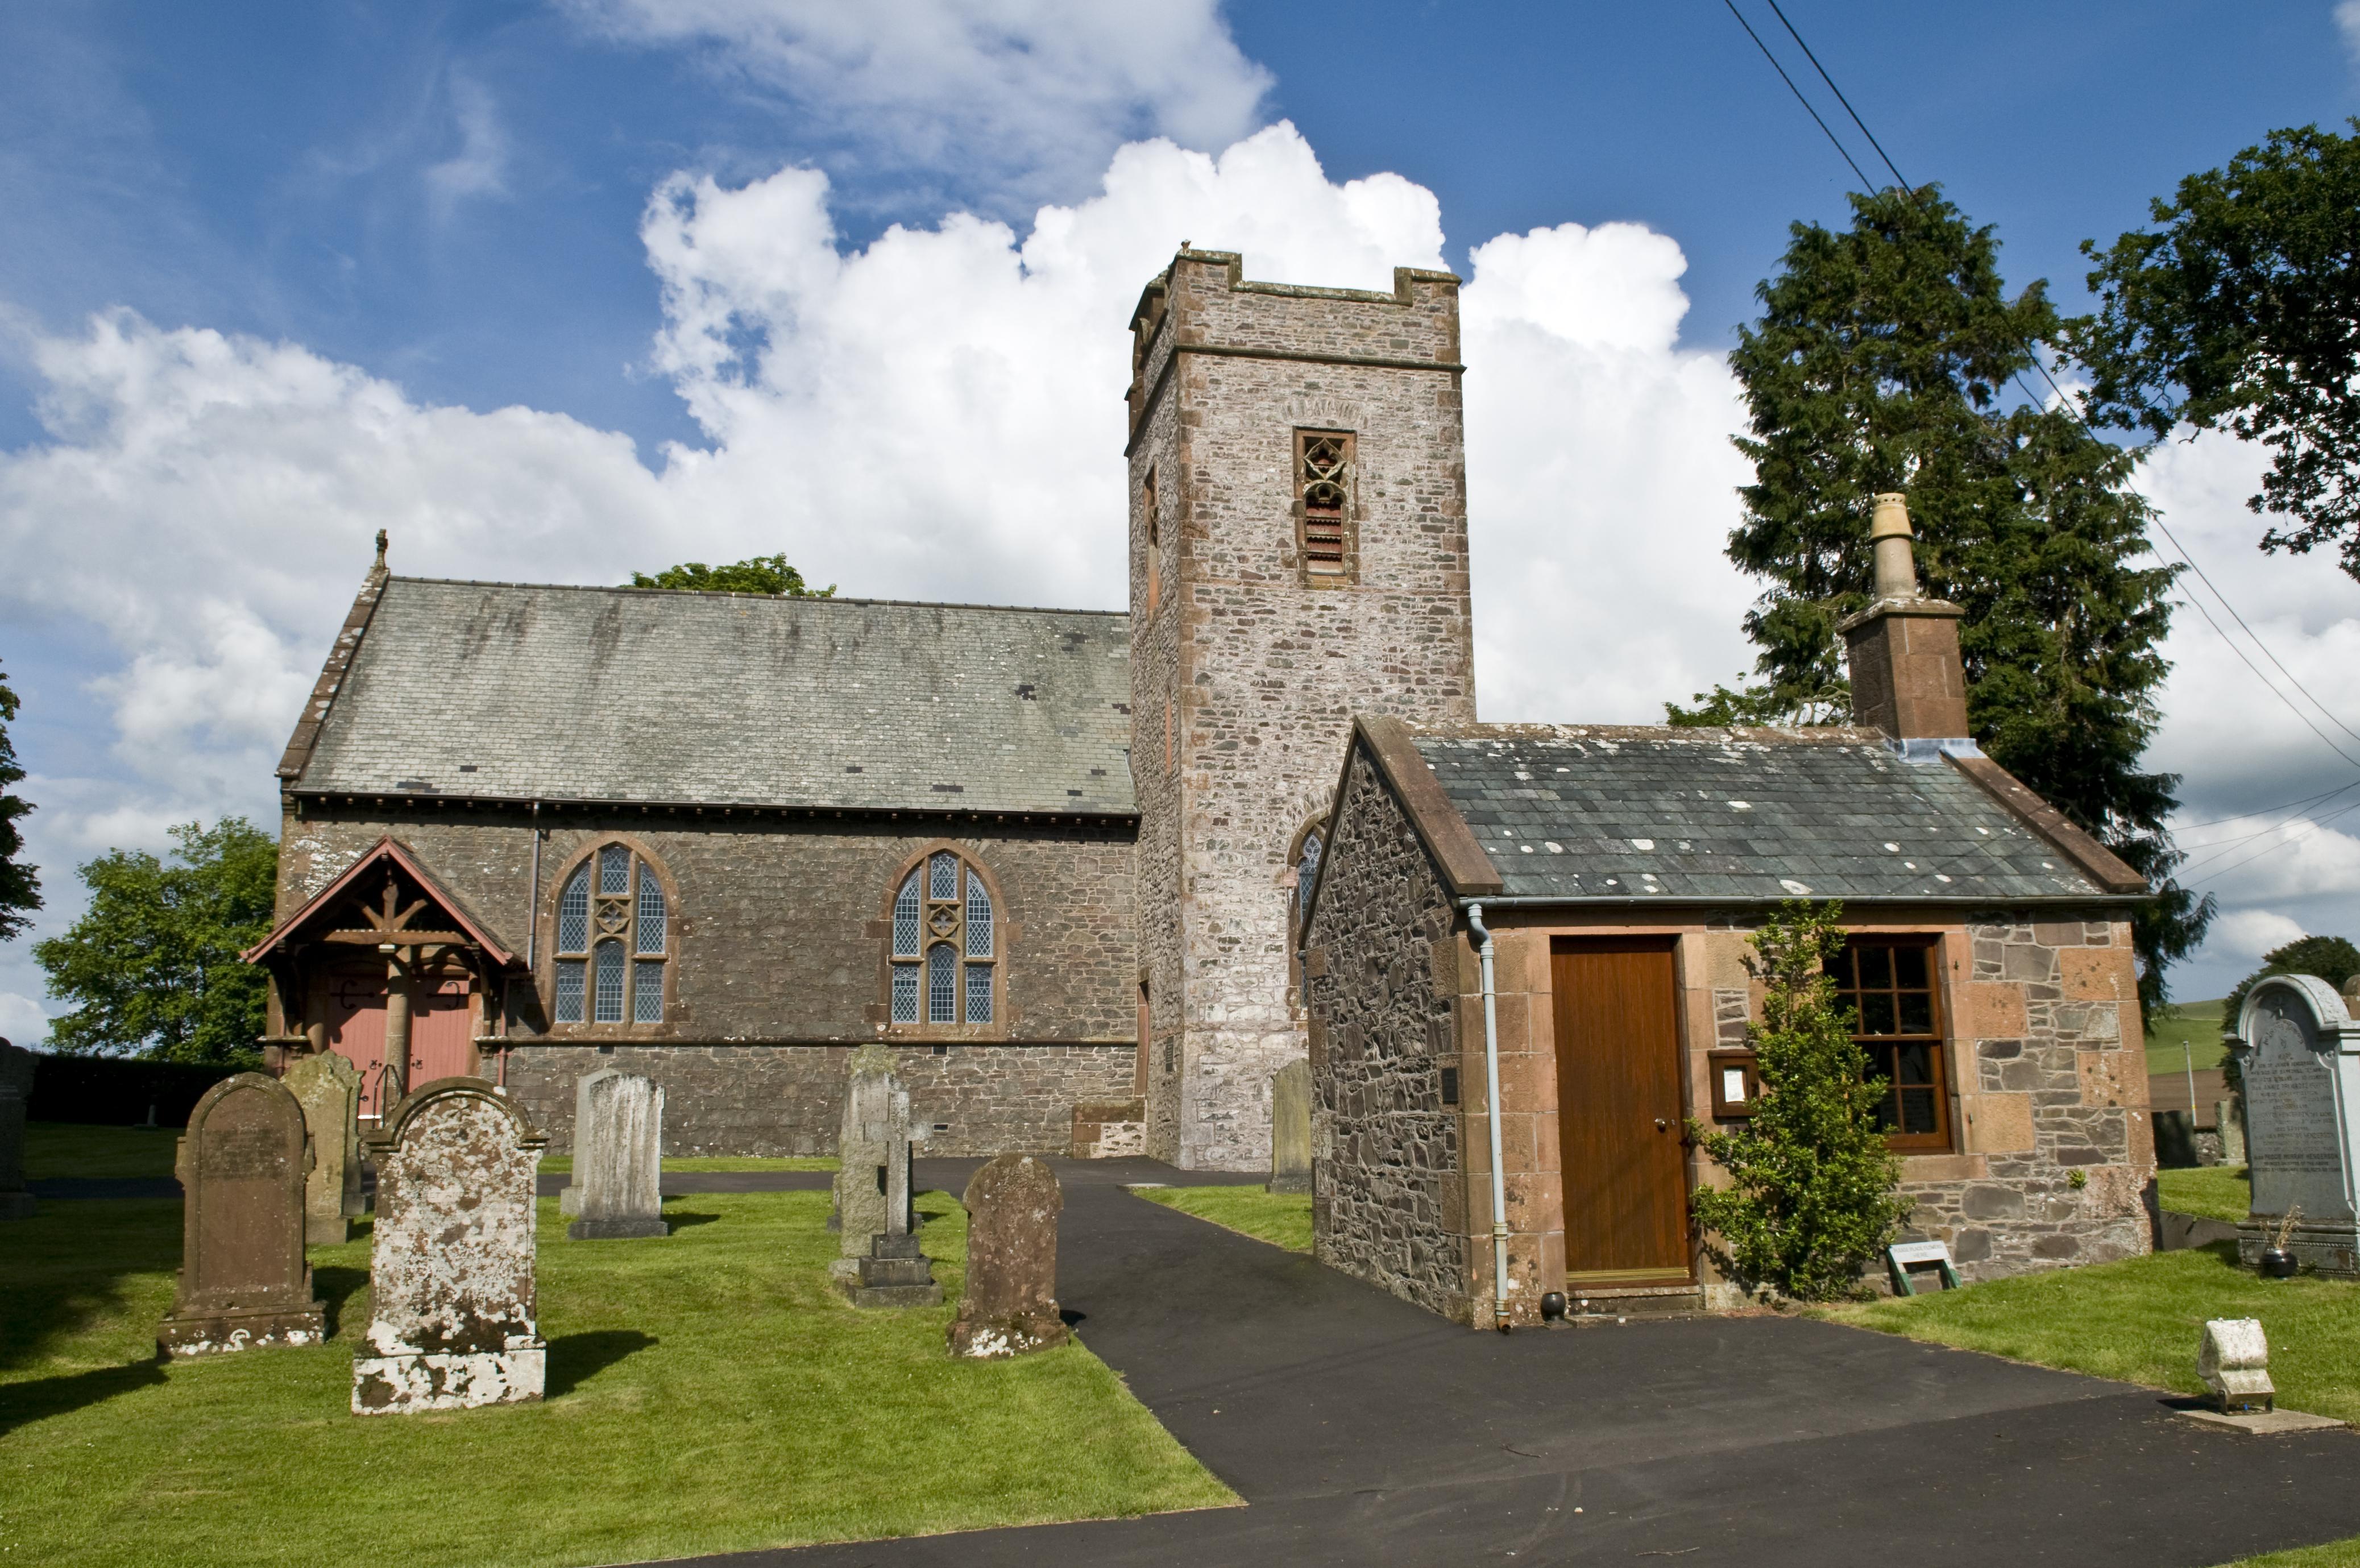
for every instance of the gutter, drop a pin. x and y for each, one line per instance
(1492, 1088)
(1874, 901)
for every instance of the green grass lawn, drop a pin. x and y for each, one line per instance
(1283, 1221)
(2139, 1321)
(2196, 1027)
(2330, 1554)
(71, 1148)
(709, 1392)
(2207, 1191)
(563, 1164)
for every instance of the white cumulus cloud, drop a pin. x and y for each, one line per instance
(1031, 95)
(2249, 934)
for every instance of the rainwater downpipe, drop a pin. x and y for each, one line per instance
(1482, 935)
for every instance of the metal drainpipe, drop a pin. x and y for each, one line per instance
(1492, 1089)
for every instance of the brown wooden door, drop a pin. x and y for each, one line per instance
(1619, 1114)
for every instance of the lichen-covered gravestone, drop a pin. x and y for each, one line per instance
(1010, 1305)
(569, 1200)
(2299, 1054)
(1290, 1129)
(329, 1090)
(872, 1156)
(618, 1159)
(451, 1273)
(244, 1282)
(16, 1089)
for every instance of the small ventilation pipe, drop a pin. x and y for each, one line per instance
(1482, 935)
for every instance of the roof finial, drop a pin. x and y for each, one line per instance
(1888, 535)
(380, 549)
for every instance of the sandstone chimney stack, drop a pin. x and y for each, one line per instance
(1906, 676)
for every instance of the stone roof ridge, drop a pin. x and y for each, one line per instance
(1684, 735)
(766, 598)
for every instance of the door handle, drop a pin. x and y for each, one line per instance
(1661, 1124)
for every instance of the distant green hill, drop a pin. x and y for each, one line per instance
(2183, 1028)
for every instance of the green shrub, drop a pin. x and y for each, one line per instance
(1811, 1199)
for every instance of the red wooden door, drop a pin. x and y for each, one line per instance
(441, 1031)
(1619, 1111)
(351, 1001)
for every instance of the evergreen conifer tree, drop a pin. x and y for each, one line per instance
(1881, 362)
(21, 885)
(1811, 1198)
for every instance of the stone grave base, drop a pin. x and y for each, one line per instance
(991, 1339)
(896, 1273)
(16, 1205)
(1289, 1186)
(2331, 1249)
(394, 1385)
(218, 1333)
(569, 1198)
(629, 1229)
(332, 1232)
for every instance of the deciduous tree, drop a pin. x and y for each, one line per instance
(152, 966)
(2238, 309)
(758, 575)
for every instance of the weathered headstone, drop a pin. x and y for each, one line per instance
(618, 1159)
(2298, 1058)
(1010, 1305)
(1290, 1129)
(15, 1090)
(2175, 1140)
(2233, 1358)
(329, 1090)
(569, 1198)
(244, 1282)
(872, 1156)
(451, 1272)
(2232, 1129)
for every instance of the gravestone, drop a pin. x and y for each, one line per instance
(2175, 1140)
(15, 1090)
(2298, 1058)
(1010, 1305)
(2232, 1131)
(618, 1159)
(873, 1158)
(1290, 1129)
(244, 1282)
(329, 1090)
(569, 1198)
(451, 1270)
(2233, 1359)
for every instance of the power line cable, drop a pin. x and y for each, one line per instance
(2324, 795)
(1841, 151)
(2038, 364)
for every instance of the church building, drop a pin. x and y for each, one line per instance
(1095, 877)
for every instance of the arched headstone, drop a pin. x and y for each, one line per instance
(1010, 1305)
(452, 1308)
(244, 1282)
(329, 1090)
(2298, 1058)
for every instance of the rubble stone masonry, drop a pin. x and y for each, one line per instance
(1248, 667)
(779, 938)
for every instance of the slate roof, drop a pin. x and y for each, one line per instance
(639, 695)
(1570, 811)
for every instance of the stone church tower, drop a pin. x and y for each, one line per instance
(1298, 554)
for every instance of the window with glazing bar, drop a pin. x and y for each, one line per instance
(1893, 987)
(614, 935)
(945, 965)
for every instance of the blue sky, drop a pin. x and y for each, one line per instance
(332, 242)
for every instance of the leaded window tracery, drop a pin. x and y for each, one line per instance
(944, 960)
(614, 935)
(1324, 483)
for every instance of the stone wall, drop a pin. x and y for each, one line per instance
(1247, 676)
(2052, 1083)
(1388, 1187)
(974, 1100)
(779, 933)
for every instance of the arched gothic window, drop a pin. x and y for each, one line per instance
(614, 938)
(1306, 873)
(946, 956)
